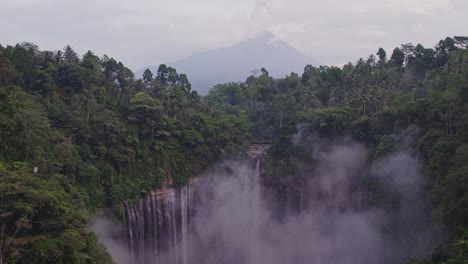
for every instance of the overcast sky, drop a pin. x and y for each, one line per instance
(143, 32)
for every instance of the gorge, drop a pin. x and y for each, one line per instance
(162, 227)
(367, 161)
(232, 215)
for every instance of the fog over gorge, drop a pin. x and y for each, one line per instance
(233, 132)
(231, 217)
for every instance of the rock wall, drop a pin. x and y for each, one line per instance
(159, 228)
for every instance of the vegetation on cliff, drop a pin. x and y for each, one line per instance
(416, 99)
(81, 133)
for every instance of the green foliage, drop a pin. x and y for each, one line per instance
(459, 251)
(42, 220)
(97, 137)
(416, 100)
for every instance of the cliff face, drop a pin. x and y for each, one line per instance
(165, 226)
(236, 215)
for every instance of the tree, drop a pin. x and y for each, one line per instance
(91, 61)
(443, 48)
(23, 59)
(110, 68)
(70, 55)
(162, 74)
(148, 76)
(280, 103)
(308, 72)
(146, 112)
(461, 42)
(7, 74)
(184, 83)
(398, 57)
(382, 55)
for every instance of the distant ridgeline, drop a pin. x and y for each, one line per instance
(235, 63)
(98, 137)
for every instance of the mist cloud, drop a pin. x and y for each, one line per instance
(235, 218)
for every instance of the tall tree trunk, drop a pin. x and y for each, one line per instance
(281, 119)
(450, 118)
(2, 239)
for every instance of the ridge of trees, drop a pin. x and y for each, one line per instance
(79, 134)
(416, 99)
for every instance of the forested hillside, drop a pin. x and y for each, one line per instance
(79, 134)
(414, 99)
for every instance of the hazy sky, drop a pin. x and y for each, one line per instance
(143, 32)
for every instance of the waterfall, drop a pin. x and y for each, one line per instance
(239, 213)
(159, 228)
(184, 202)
